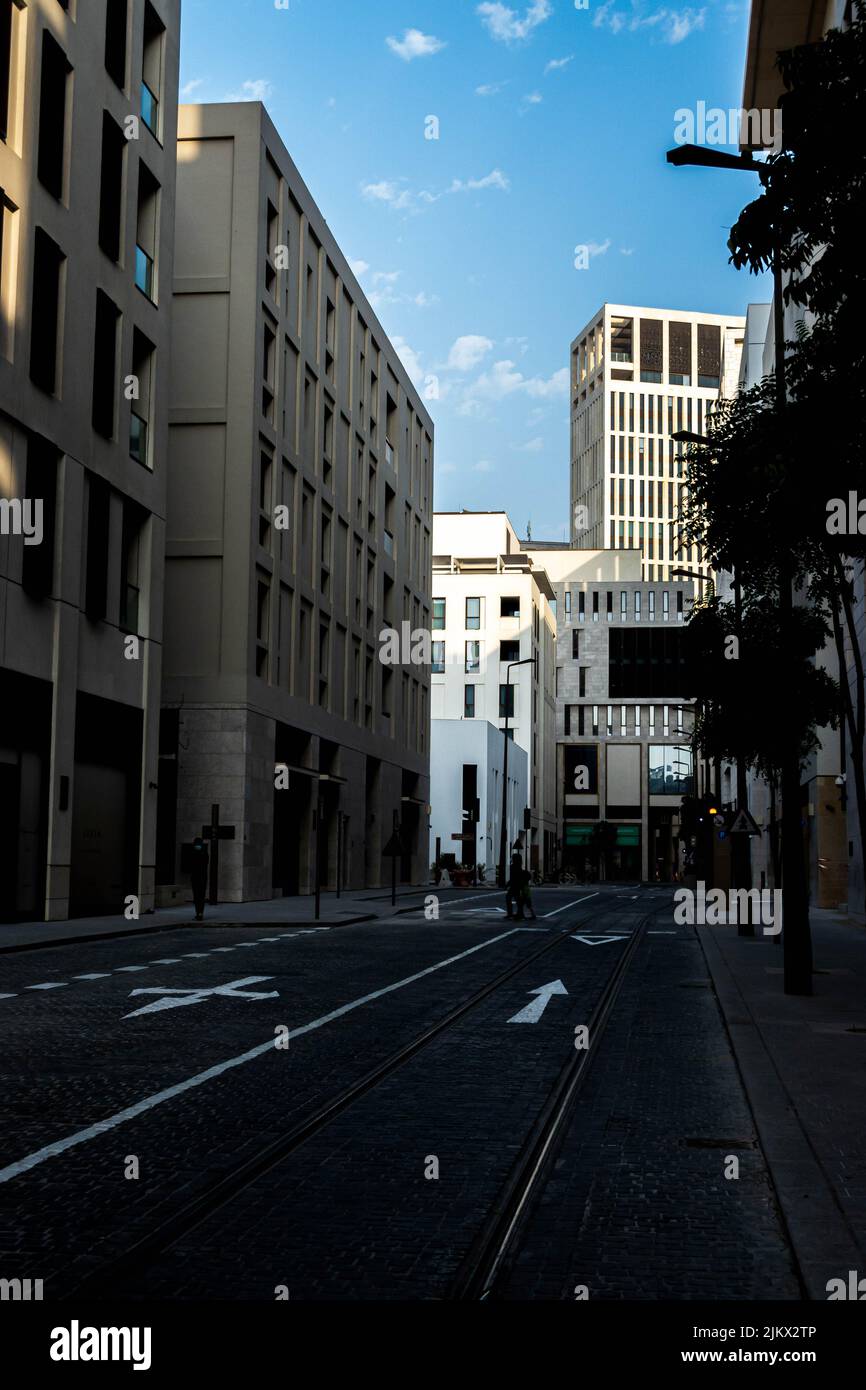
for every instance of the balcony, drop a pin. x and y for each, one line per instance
(138, 437)
(149, 108)
(144, 272)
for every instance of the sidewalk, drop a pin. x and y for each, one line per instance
(360, 906)
(803, 1063)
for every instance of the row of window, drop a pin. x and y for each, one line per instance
(506, 703)
(625, 612)
(473, 651)
(509, 607)
(628, 720)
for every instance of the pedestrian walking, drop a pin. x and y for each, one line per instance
(512, 893)
(198, 875)
(526, 894)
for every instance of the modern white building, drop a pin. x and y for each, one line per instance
(638, 376)
(492, 608)
(466, 774)
(623, 722)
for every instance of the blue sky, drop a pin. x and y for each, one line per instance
(553, 125)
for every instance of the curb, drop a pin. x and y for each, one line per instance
(175, 926)
(822, 1241)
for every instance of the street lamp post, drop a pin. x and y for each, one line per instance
(527, 660)
(796, 936)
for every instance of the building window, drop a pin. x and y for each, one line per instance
(651, 605)
(438, 667)
(637, 605)
(568, 605)
(139, 423)
(473, 614)
(623, 605)
(575, 644)
(134, 518)
(622, 718)
(104, 365)
(581, 681)
(48, 261)
(115, 41)
(509, 651)
(509, 607)
(666, 606)
(595, 721)
(567, 720)
(438, 614)
(666, 720)
(111, 187)
(621, 339)
(9, 20)
(151, 69)
(473, 657)
(581, 606)
(637, 719)
(96, 573)
(146, 232)
(506, 702)
(580, 719)
(37, 569)
(52, 116)
(609, 606)
(595, 606)
(679, 605)
(469, 702)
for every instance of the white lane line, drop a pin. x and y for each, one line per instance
(23, 1165)
(121, 968)
(195, 955)
(8, 996)
(60, 984)
(216, 950)
(574, 904)
(99, 975)
(169, 960)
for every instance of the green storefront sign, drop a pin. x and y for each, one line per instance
(586, 834)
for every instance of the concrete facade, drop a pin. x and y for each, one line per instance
(299, 521)
(479, 572)
(638, 376)
(87, 171)
(630, 746)
(479, 747)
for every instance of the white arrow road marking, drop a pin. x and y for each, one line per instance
(597, 940)
(263, 1049)
(532, 1013)
(195, 996)
(485, 911)
(661, 933)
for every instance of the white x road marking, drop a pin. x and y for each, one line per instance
(195, 996)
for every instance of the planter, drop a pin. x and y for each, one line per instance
(461, 878)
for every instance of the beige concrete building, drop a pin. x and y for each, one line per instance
(623, 729)
(639, 376)
(299, 520)
(88, 103)
(492, 606)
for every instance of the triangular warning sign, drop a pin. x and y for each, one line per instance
(743, 824)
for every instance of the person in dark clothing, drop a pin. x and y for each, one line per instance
(526, 894)
(198, 875)
(515, 883)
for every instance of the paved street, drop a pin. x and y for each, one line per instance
(192, 1096)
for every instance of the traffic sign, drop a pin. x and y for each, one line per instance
(393, 849)
(743, 824)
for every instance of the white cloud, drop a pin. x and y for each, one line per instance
(359, 268)
(468, 351)
(557, 64)
(507, 26)
(386, 277)
(414, 44)
(482, 466)
(193, 86)
(411, 360)
(673, 25)
(402, 199)
(597, 248)
(503, 379)
(626, 250)
(532, 446)
(531, 99)
(257, 90)
(490, 89)
(495, 179)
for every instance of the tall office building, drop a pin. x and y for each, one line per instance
(638, 376)
(492, 606)
(299, 527)
(88, 106)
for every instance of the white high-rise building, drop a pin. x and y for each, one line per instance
(639, 376)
